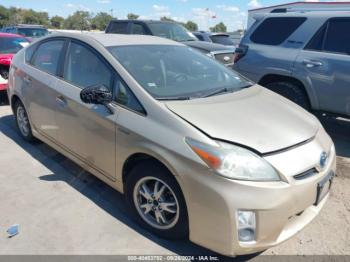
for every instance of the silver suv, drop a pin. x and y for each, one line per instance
(302, 56)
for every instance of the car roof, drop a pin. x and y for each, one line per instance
(10, 35)
(144, 21)
(118, 39)
(321, 14)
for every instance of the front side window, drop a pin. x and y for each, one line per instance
(47, 56)
(84, 68)
(276, 30)
(338, 38)
(11, 45)
(171, 72)
(171, 31)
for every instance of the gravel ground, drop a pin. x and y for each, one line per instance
(63, 210)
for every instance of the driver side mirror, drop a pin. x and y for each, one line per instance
(97, 94)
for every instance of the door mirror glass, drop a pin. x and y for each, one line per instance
(97, 94)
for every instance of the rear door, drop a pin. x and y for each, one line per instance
(86, 131)
(324, 63)
(39, 80)
(273, 46)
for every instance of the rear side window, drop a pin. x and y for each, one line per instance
(84, 68)
(47, 56)
(276, 30)
(332, 37)
(118, 28)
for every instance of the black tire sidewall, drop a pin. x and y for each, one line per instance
(292, 92)
(153, 169)
(29, 137)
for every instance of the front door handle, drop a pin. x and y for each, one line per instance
(61, 101)
(312, 63)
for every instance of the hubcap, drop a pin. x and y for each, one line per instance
(22, 120)
(156, 203)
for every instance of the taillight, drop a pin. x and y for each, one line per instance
(240, 52)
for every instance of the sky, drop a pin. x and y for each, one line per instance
(205, 13)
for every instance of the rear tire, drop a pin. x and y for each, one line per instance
(22, 121)
(144, 203)
(291, 91)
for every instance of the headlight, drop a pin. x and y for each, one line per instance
(234, 162)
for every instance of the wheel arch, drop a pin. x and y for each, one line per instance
(271, 78)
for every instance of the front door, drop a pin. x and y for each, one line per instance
(86, 131)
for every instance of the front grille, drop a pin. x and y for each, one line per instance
(225, 58)
(306, 174)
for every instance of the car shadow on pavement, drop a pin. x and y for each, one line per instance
(3, 98)
(97, 191)
(339, 130)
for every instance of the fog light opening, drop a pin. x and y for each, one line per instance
(246, 225)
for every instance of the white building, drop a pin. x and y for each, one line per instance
(299, 6)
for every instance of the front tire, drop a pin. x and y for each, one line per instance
(156, 201)
(22, 121)
(291, 91)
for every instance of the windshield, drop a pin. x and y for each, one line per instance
(171, 31)
(33, 32)
(177, 72)
(11, 45)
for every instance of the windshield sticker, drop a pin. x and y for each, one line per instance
(152, 84)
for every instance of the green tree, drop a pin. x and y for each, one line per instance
(191, 26)
(133, 16)
(57, 21)
(4, 16)
(80, 20)
(100, 21)
(220, 27)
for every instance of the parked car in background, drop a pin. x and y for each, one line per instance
(10, 44)
(173, 31)
(198, 150)
(32, 32)
(304, 56)
(217, 38)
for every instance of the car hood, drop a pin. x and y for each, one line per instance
(207, 46)
(254, 117)
(5, 59)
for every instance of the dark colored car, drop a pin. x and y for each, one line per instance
(29, 31)
(217, 38)
(173, 31)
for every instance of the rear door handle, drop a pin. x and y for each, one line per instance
(312, 63)
(61, 101)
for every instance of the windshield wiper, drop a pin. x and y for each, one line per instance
(169, 98)
(224, 90)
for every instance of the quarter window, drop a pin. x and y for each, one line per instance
(125, 97)
(338, 38)
(48, 55)
(84, 68)
(276, 30)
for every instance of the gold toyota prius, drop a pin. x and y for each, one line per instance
(199, 151)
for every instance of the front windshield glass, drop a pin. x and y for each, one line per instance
(177, 72)
(171, 31)
(11, 45)
(33, 32)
